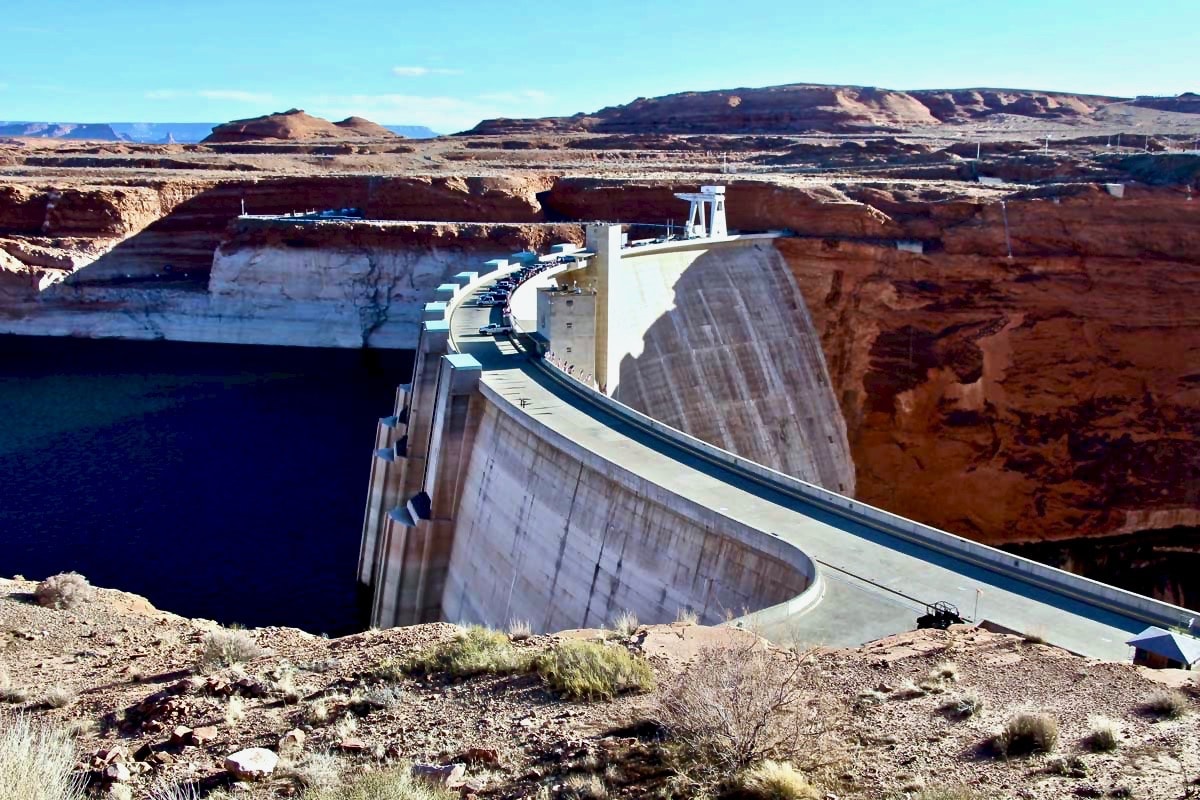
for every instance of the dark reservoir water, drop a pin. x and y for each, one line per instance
(220, 481)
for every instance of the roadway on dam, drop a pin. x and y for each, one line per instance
(874, 583)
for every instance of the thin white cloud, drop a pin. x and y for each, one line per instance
(232, 95)
(419, 72)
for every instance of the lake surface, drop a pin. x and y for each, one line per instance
(219, 481)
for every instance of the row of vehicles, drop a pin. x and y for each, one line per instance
(498, 294)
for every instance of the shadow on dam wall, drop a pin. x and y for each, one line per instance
(734, 360)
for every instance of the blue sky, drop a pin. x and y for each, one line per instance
(448, 64)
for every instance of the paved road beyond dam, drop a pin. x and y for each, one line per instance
(506, 489)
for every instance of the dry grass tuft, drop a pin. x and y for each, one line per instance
(235, 711)
(1168, 703)
(65, 590)
(474, 651)
(519, 630)
(777, 780)
(1104, 735)
(227, 647)
(946, 671)
(626, 624)
(392, 784)
(1027, 732)
(950, 793)
(315, 771)
(593, 671)
(584, 787)
(36, 763)
(687, 616)
(966, 705)
(58, 697)
(9, 691)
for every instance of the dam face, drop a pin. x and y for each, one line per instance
(718, 343)
(524, 523)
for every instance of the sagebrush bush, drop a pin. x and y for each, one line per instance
(474, 651)
(732, 708)
(226, 647)
(593, 671)
(392, 784)
(1168, 703)
(1027, 732)
(777, 780)
(36, 763)
(65, 590)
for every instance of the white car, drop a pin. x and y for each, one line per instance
(495, 328)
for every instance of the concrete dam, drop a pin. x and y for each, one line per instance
(658, 433)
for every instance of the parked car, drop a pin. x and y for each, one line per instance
(495, 328)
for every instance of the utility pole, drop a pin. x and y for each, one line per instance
(243, 206)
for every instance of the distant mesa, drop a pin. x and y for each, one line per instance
(802, 107)
(295, 125)
(61, 130)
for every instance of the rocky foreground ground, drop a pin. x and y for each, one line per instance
(155, 711)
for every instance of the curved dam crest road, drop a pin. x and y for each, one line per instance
(873, 584)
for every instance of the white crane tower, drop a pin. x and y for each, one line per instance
(707, 196)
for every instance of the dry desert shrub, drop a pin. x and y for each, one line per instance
(626, 624)
(65, 590)
(732, 708)
(167, 790)
(474, 651)
(392, 784)
(226, 647)
(1168, 703)
(519, 630)
(777, 780)
(1027, 732)
(966, 705)
(58, 697)
(950, 793)
(585, 787)
(1104, 734)
(687, 616)
(315, 771)
(9, 691)
(36, 763)
(593, 671)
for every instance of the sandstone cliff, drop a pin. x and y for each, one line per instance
(294, 125)
(798, 108)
